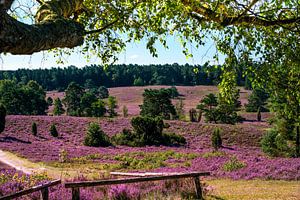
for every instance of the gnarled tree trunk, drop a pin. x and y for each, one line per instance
(48, 33)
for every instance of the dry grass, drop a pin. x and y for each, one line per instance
(254, 189)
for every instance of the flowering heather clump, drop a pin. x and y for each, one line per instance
(12, 181)
(123, 192)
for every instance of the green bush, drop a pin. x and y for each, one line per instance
(98, 108)
(127, 138)
(49, 101)
(216, 139)
(58, 107)
(233, 164)
(34, 129)
(103, 92)
(53, 131)
(172, 139)
(147, 131)
(95, 137)
(274, 144)
(2, 118)
(257, 100)
(125, 111)
(193, 115)
(157, 103)
(173, 92)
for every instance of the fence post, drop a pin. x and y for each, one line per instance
(44, 194)
(198, 188)
(75, 193)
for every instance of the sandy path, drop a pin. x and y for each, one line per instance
(13, 161)
(20, 164)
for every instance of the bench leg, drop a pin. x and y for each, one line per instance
(44, 194)
(75, 194)
(198, 188)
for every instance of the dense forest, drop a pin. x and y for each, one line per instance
(120, 75)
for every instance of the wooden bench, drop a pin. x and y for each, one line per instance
(75, 186)
(44, 195)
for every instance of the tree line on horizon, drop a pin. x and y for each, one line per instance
(122, 75)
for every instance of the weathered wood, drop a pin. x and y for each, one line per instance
(198, 188)
(30, 190)
(133, 180)
(76, 193)
(142, 174)
(44, 194)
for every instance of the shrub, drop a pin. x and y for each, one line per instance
(98, 108)
(49, 101)
(95, 137)
(103, 92)
(125, 111)
(193, 115)
(173, 92)
(53, 131)
(172, 139)
(216, 139)
(147, 131)
(111, 106)
(58, 107)
(138, 82)
(126, 138)
(258, 115)
(157, 103)
(257, 100)
(2, 118)
(34, 129)
(179, 107)
(274, 144)
(233, 164)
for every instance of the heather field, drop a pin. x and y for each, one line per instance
(237, 168)
(241, 157)
(132, 96)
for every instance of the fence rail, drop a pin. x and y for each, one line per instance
(75, 186)
(44, 195)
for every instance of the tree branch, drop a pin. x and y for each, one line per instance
(5, 4)
(19, 38)
(52, 30)
(226, 20)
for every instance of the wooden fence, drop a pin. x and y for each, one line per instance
(44, 191)
(142, 177)
(75, 186)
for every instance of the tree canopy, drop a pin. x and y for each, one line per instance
(104, 27)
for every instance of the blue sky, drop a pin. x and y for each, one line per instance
(135, 53)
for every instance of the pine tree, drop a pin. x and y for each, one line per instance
(112, 105)
(53, 131)
(216, 139)
(34, 129)
(95, 137)
(157, 103)
(58, 107)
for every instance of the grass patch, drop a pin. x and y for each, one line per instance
(233, 164)
(214, 154)
(128, 161)
(228, 189)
